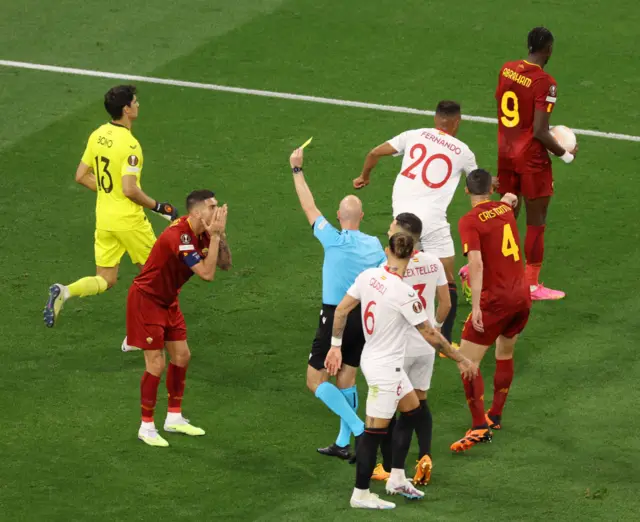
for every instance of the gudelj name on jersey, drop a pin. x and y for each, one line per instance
(377, 285)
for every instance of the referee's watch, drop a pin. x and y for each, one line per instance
(296, 170)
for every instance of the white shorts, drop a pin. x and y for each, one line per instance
(420, 369)
(385, 392)
(437, 240)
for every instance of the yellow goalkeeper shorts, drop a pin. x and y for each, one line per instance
(110, 246)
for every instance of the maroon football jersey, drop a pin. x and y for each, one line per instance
(522, 89)
(168, 266)
(491, 228)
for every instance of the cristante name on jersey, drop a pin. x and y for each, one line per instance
(441, 141)
(421, 270)
(516, 77)
(494, 212)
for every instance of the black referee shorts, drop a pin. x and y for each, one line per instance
(352, 338)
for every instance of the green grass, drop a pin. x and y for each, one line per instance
(570, 447)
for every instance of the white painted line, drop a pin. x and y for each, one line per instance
(281, 95)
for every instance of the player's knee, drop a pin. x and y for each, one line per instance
(110, 278)
(314, 379)
(182, 357)
(155, 364)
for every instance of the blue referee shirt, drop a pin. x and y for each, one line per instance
(347, 254)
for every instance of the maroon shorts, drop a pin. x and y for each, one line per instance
(508, 324)
(531, 183)
(150, 324)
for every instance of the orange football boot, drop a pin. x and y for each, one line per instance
(493, 421)
(380, 474)
(423, 471)
(472, 438)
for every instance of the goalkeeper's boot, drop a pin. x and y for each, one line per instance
(179, 424)
(57, 296)
(472, 437)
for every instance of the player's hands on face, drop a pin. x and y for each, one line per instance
(476, 320)
(360, 182)
(468, 369)
(218, 221)
(296, 159)
(333, 361)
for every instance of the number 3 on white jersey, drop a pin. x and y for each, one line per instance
(418, 153)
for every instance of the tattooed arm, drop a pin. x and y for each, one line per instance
(437, 340)
(224, 254)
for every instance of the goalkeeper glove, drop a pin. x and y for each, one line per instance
(166, 210)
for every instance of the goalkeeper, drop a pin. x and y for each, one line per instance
(111, 166)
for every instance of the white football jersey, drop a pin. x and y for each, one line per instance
(390, 308)
(425, 273)
(431, 168)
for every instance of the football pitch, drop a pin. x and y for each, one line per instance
(570, 447)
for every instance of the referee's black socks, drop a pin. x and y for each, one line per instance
(447, 327)
(367, 451)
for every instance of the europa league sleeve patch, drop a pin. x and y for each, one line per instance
(417, 307)
(133, 160)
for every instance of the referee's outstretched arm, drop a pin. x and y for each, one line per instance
(304, 192)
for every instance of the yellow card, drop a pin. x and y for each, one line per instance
(306, 143)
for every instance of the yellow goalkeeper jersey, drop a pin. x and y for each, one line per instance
(113, 152)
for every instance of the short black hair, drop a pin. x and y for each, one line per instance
(401, 245)
(198, 196)
(410, 223)
(479, 182)
(117, 98)
(448, 108)
(539, 39)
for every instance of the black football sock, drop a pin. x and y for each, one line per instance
(424, 429)
(367, 452)
(386, 445)
(447, 327)
(402, 437)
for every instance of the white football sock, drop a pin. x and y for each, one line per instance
(174, 418)
(397, 475)
(360, 494)
(147, 426)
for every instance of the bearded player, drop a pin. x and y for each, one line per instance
(111, 166)
(433, 161)
(192, 244)
(526, 96)
(500, 300)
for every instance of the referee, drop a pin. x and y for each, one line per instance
(346, 254)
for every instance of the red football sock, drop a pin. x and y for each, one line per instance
(501, 384)
(534, 253)
(474, 390)
(175, 386)
(148, 395)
